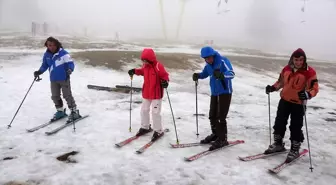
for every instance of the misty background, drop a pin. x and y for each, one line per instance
(269, 25)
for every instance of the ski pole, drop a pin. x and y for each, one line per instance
(130, 126)
(269, 117)
(196, 83)
(305, 118)
(177, 140)
(35, 79)
(73, 122)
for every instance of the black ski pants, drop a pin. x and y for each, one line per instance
(296, 112)
(219, 108)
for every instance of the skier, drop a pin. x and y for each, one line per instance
(220, 70)
(155, 79)
(60, 66)
(299, 83)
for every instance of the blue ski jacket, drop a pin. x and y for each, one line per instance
(58, 65)
(222, 64)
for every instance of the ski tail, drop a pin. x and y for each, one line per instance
(64, 126)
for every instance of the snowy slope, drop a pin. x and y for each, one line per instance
(99, 162)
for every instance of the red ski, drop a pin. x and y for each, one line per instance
(207, 152)
(260, 156)
(283, 165)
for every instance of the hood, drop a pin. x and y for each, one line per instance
(297, 53)
(207, 51)
(148, 54)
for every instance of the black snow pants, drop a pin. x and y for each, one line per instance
(296, 112)
(219, 108)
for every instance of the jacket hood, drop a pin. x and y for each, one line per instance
(297, 53)
(148, 54)
(207, 51)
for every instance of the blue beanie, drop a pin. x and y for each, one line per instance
(207, 51)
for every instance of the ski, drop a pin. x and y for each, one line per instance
(44, 125)
(65, 125)
(207, 152)
(127, 141)
(147, 145)
(260, 156)
(283, 165)
(185, 145)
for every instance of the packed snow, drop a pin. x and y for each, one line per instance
(100, 162)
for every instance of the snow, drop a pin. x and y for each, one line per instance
(99, 162)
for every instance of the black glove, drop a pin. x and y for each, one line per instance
(304, 95)
(218, 74)
(195, 76)
(37, 73)
(131, 72)
(269, 89)
(69, 71)
(164, 83)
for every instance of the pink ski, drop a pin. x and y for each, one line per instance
(283, 165)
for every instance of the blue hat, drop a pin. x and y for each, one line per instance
(207, 51)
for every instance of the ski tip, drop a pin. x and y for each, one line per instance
(187, 159)
(241, 141)
(305, 150)
(241, 158)
(138, 152)
(117, 145)
(272, 171)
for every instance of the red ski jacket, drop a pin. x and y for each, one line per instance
(153, 72)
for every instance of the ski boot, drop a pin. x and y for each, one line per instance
(277, 146)
(157, 135)
(209, 139)
(74, 115)
(59, 114)
(294, 151)
(219, 143)
(143, 131)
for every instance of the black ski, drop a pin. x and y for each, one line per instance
(44, 125)
(65, 125)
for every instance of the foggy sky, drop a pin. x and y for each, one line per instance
(273, 25)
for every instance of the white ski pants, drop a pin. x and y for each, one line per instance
(155, 105)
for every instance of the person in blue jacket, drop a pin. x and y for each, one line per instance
(60, 66)
(220, 70)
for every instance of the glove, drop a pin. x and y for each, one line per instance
(269, 89)
(37, 73)
(304, 95)
(164, 83)
(218, 74)
(195, 76)
(131, 72)
(69, 71)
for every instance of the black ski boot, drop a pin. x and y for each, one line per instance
(294, 151)
(74, 115)
(277, 146)
(143, 131)
(156, 136)
(209, 139)
(219, 143)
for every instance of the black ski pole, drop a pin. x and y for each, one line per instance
(305, 118)
(269, 117)
(177, 140)
(130, 126)
(196, 83)
(35, 79)
(73, 122)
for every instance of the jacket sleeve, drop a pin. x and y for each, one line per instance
(227, 68)
(312, 85)
(204, 73)
(163, 74)
(280, 82)
(44, 65)
(140, 71)
(69, 61)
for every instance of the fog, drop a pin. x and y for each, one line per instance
(270, 25)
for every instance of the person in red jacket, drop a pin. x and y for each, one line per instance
(155, 79)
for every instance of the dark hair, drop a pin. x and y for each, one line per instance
(57, 43)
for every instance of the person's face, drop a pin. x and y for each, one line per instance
(298, 62)
(209, 59)
(52, 47)
(146, 62)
